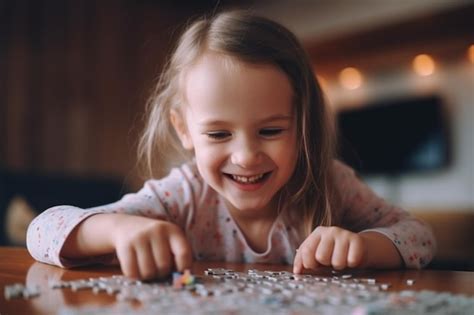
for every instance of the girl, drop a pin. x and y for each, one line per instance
(239, 98)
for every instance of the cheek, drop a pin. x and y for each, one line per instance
(287, 145)
(287, 154)
(209, 157)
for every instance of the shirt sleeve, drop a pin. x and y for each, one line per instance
(167, 199)
(363, 210)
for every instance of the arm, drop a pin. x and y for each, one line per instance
(49, 231)
(69, 236)
(362, 211)
(373, 234)
(339, 248)
(92, 237)
(146, 248)
(382, 253)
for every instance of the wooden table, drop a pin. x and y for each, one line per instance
(16, 265)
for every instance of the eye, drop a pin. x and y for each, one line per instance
(218, 135)
(270, 132)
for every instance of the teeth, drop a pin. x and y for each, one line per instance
(245, 179)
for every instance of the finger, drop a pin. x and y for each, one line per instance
(308, 250)
(340, 253)
(355, 253)
(128, 261)
(297, 263)
(146, 262)
(324, 251)
(162, 256)
(181, 251)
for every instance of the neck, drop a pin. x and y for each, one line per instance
(255, 225)
(268, 213)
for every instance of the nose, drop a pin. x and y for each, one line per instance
(247, 154)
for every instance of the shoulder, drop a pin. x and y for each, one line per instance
(341, 171)
(186, 173)
(184, 177)
(346, 182)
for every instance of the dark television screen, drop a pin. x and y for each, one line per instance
(395, 137)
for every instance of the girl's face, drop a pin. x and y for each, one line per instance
(239, 119)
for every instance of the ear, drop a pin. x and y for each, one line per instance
(179, 124)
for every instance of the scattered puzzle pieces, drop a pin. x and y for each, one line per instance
(180, 280)
(18, 290)
(224, 291)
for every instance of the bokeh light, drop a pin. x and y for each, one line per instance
(423, 65)
(350, 78)
(470, 53)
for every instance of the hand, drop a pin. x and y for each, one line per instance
(331, 246)
(148, 248)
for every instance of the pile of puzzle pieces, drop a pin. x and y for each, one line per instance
(223, 291)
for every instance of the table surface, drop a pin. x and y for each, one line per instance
(16, 265)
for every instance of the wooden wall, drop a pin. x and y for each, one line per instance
(75, 74)
(74, 78)
(446, 35)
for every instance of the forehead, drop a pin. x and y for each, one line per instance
(222, 86)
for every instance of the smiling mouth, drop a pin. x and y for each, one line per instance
(248, 179)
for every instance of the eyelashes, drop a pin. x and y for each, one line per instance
(265, 132)
(269, 132)
(218, 135)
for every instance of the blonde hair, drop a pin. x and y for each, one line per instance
(256, 40)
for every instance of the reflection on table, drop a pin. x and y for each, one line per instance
(17, 266)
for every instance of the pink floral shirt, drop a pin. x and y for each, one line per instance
(186, 200)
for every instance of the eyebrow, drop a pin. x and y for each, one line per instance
(272, 118)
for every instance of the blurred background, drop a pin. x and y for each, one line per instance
(398, 74)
